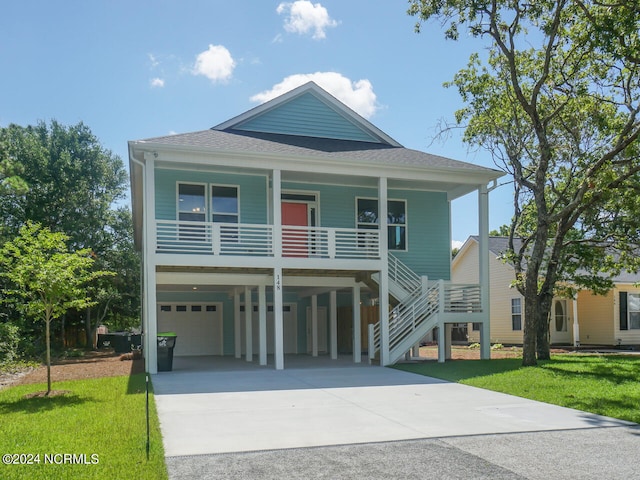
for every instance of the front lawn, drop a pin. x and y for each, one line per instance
(603, 384)
(100, 426)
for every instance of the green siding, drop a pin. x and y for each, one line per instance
(428, 231)
(309, 116)
(253, 192)
(428, 228)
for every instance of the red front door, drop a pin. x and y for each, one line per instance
(295, 241)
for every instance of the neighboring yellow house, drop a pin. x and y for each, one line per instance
(611, 319)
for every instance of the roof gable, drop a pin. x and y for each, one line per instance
(311, 112)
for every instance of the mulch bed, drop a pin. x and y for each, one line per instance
(98, 364)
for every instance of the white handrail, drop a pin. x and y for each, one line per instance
(177, 236)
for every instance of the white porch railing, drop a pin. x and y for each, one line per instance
(412, 318)
(401, 274)
(460, 298)
(207, 238)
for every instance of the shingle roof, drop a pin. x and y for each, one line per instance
(293, 145)
(499, 245)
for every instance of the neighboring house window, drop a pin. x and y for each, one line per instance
(224, 204)
(516, 314)
(634, 311)
(476, 327)
(367, 218)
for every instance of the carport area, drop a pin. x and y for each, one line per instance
(245, 407)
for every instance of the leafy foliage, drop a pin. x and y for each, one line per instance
(556, 100)
(9, 340)
(48, 278)
(74, 186)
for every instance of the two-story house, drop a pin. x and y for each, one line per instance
(254, 234)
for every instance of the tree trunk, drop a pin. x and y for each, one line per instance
(529, 333)
(545, 299)
(542, 333)
(89, 331)
(48, 343)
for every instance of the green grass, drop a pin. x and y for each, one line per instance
(603, 384)
(104, 416)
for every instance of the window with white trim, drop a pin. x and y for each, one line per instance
(367, 218)
(516, 314)
(224, 204)
(192, 205)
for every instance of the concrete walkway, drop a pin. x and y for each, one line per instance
(245, 420)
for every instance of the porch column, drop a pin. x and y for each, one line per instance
(314, 325)
(357, 333)
(442, 351)
(576, 326)
(276, 201)
(262, 321)
(448, 327)
(151, 326)
(150, 308)
(384, 272)
(237, 324)
(333, 324)
(483, 254)
(248, 324)
(278, 329)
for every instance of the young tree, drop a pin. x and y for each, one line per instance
(46, 276)
(556, 101)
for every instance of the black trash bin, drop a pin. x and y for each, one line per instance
(121, 342)
(166, 344)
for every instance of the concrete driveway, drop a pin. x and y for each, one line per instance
(254, 409)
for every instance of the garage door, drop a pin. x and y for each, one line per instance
(197, 325)
(290, 333)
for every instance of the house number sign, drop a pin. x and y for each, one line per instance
(278, 284)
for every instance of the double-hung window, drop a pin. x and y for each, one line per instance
(224, 209)
(516, 314)
(367, 218)
(224, 204)
(192, 207)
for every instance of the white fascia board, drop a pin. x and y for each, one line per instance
(187, 260)
(240, 279)
(310, 164)
(199, 278)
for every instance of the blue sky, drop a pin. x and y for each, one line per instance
(139, 69)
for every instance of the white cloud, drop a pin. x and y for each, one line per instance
(157, 82)
(154, 61)
(215, 63)
(305, 17)
(358, 95)
(456, 244)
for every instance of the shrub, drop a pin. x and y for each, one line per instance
(9, 340)
(474, 346)
(497, 346)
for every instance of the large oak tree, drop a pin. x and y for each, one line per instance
(554, 96)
